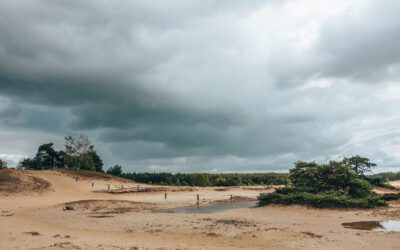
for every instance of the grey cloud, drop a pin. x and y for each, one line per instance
(200, 85)
(362, 46)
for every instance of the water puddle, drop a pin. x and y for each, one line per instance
(209, 209)
(383, 225)
(101, 216)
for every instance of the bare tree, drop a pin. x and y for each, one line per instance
(76, 147)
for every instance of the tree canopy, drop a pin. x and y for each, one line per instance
(334, 176)
(115, 170)
(3, 164)
(335, 184)
(208, 179)
(78, 153)
(359, 164)
(48, 157)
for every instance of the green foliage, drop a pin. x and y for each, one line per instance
(378, 182)
(205, 179)
(320, 200)
(387, 176)
(335, 184)
(3, 164)
(87, 163)
(46, 158)
(359, 164)
(334, 176)
(77, 148)
(97, 162)
(29, 163)
(115, 170)
(390, 196)
(78, 154)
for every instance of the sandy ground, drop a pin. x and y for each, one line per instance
(130, 220)
(395, 183)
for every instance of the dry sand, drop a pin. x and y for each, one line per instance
(130, 220)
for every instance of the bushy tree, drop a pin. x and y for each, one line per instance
(304, 175)
(115, 170)
(87, 163)
(29, 163)
(335, 184)
(97, 162)
(3, 164)
(47, 157)
(334, 176)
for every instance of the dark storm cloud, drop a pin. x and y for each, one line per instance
(203, 85)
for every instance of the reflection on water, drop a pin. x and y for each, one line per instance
(208, 209)
(384, 225)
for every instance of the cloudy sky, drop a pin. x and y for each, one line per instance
(203, 85)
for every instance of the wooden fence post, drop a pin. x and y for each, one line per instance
(165, 195)
(108, 187)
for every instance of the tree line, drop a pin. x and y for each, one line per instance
(360, 165)
(78, 153)
(390, 176)
(207, 179)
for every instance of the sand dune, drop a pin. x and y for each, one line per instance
(130, 220)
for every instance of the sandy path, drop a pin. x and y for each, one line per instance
(129, 221)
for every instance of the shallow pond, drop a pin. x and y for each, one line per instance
(383, 225)
(208, 209)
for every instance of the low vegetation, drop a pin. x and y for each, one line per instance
(336, 184)
(387, 176)
(115, 170)
(86, 174)
(13, 182)
(320, 200)
(205, 179)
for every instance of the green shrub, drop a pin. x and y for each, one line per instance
(334, 184)
(390, 197)
(320, 200)
(378, 182)
(359, 188)
(3, 164)
(334, 176)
